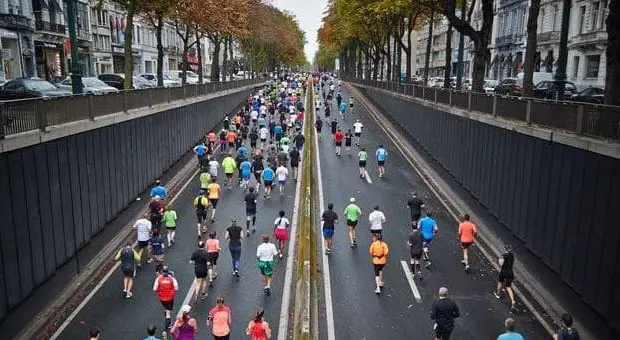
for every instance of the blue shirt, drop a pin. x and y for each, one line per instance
(277, 130)
(343, 107)
(268, 174)
(381, 154)
(246, 168)
(151, 337)
(427, 226)
(200, 150)
(244, 152)
(157, 243)
(510, 336)
(159, 191)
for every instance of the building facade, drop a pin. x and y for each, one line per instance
(587, 43)
(509, 38)
(16, 39)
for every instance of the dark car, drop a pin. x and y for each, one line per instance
(118, 81)
(593, 95)
(545, 90)
(508, 87)
(24, 88)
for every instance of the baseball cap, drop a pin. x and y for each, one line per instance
(352, 199)
(186, 309)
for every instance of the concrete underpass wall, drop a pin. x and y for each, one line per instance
(56, 195)
(562, 202)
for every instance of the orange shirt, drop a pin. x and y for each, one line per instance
(379, 251)
(231, 137)
(212, 137)
(467, 231)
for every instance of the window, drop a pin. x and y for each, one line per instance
(15, 7)
(603, 15)
(556, 19)
(592, 65)
(575, 67)
(594, 16)
(541, 20)
(582, 19)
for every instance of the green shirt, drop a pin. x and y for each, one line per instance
(205, 180)
(285, 140)
(170, 219)
(362, 155)
(352, 212)
(229, 165)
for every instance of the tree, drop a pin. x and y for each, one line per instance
(155, 12)
(612, 77)
(530, 49)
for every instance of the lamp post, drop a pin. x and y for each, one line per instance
(560, 72)
(76, 72)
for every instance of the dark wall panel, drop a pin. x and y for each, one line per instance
(45, 206)
(34, 215)
(555, 198)
(76, 195)
(56, 199)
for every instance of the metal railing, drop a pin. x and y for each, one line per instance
(24, 115)
(600, 121)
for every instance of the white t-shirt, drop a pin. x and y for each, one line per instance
(332, 87)
(263, 133)
(281, 223)
(213, 166)
(266, 252)
(357, 127)
(292, 118)
(376, 219)
(281, 172)
(263, 108)
(254, 115)
(291, 109)
(143, 227)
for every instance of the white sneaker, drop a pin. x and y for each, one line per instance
(378, 291)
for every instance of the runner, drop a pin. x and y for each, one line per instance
(229, 166)
(428, 228)
(415, 242)
(299, 140)
(381, 155)
(246, 172)
(278, 131)
(329, 218)
(351, 104)
(376, 219)
(201, 202)
(415, 207)
(265, 254)
(199, 259)
(294, 157)
(263, 133)
(128, 257)
(281, 172)
(200, 149)
(222, 136)
(213, 167)
(143, 229)
(268, 176)
(379, 251)
(165, 286)
(338, 99)
(250, 210)
(234, 235)
(357, 129)
(444, 311)
(156, 249)
(150, 331)
(352, 213)
(220, 319)
(362, 157)
(318, 125)
(185, 326)
(257, 168)
(506, 276)
(254, 138)
(566, 331)
(214, 191)
(231, 138)
(334, 125)
(347, 140)
(156, 208)
(467, 234)
(280, 231)
(212, 139)
(205, 179)
(258, 329)
(338, 136)
(343, 109)
(511, 333)
(213, 253)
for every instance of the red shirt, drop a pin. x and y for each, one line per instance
(212, 137)
(338, 136)
(165, 291)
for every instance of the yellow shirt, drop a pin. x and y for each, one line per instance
(214, 191)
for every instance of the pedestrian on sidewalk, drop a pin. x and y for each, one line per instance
(510, 333)
(128, 257)
(265, 254)
(258, 328)
(185, 326)
(506, 275)
(379, 251)
(170, 224)
(219, 320)
(444, 311)
(566, 332)
(234, 235)
(165, 286)
(467, 235)
(329, 218)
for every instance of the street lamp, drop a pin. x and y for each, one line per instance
(560, 72)
(76, 71)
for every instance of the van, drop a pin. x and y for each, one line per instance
(537, 77)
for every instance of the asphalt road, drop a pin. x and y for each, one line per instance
(396, 314)
(120, 318)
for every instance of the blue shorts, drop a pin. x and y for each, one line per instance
(245, 177)
(281, 182)
(426, 242)
(328, 232)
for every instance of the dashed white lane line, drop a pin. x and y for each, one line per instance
(409, 276)
(367, 176)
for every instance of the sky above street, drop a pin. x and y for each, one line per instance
(309, 14)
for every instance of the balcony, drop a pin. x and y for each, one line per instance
(14, 21)
(45, 26)
(589, 38)
(510, 39)
(548, 37)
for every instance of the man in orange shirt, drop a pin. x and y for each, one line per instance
(467, 234)
(379, 251)
(231, 137)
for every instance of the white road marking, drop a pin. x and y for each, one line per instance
(107, 275)
(367, 176)
(409, 276)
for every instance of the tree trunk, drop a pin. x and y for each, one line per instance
(199, 52)
(184, 60)
(480, 61)
(448, 68)
(429, 43)
(360, 62)
(128, 47)
(225, 60)
(388, 57)
(381, 67)
(530, 48)
(215, 67)
(160, 49)
(612, 77)
(232, 59)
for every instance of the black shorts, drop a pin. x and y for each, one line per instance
(442, 334)
(213, 202)
(168, 305)
(347, 142)
(201, 274)
(142, 244)
(294, 164)
(229, 175)
(318, 129)
(378, 268)
(267, 183)
(253, 143)
(339, 143)
(212, 257)
(231, 144)
(263, 140)
(362, 164)
(374, 231)
(127, 271)
(358, 134)
(257, 175)
(416, 255)
(506, 279)
(201, 215)
(223, 337)
(351, 223)
(250, 213)
(466, 245)
(380, 163)
(415, 216)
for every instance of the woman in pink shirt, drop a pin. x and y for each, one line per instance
(220, 319)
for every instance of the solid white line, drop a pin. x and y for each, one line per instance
(329, 309)
(107, 276)
(367, 176)
(409, 276)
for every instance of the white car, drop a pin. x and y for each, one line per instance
(90, 85)
(168, 81)
(489, 86)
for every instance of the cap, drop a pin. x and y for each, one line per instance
(186, 309)
(352, 199)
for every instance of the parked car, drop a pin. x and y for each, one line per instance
(595, 95)
(489, 86)
(537, 77)
(117, 80)
(508, 87)
(91, 85)
(23, 88)
(191, 77)
(168, 81)
(545, 90)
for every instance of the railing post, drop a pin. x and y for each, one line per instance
(494, 106)
(4, 121)
(41, 115)
(125, 101)
(580, 115)
(450, 97)
(435, 95)
(423, 92)
(528, 112)
(469, 101)
(91, 105)
(150, 97)
(169, 94)
(184, 92)
(196, 90)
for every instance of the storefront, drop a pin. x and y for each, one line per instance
(103, 63)
(118, 59)
(50, 60)
(11, 65)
